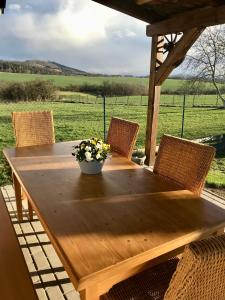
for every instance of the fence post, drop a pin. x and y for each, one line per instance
(104, 116)
(182, 128)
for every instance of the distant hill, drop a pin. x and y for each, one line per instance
(38, 67)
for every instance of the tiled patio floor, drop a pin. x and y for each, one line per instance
(49, 277)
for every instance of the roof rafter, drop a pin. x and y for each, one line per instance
(140, 2)
(131, 9)
(202, 17)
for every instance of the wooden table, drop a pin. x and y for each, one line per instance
(110, 226)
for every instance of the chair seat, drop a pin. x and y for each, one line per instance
(150, 284)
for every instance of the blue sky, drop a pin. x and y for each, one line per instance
(77, 33)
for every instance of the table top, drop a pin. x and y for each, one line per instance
(102, 224)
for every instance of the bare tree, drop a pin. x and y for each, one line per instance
(207, 58)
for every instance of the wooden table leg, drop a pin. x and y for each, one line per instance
(18, 196)
(30, 210)
(90, 293)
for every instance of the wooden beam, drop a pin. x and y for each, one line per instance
(158, 73)
(177, 54)
(131, 9)
(140, 2)
(202, 17)
(174, 3)
(153, 102)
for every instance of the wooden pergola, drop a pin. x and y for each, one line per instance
(174, 26)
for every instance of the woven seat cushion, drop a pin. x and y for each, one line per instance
(148, 285)
(200, 274)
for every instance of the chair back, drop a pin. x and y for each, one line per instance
(122, 136)
(185, 162)
(33, 128)
(200, 274)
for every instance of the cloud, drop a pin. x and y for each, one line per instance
(14, 6)
(80, 33)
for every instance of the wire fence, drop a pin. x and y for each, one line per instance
(165, 100)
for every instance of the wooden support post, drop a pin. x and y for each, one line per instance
(160, 70)
(153, 101)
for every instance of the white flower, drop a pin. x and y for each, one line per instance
(88, 156)
(98, 156)
(76, 151)
(99, 146)
(88, 148)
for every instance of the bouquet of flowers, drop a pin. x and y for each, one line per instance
(92, 149)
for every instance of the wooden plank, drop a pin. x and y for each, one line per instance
(141, 2)
(107, 227)
(176, 3)
(201, 17)
(130, 9)
(15, 279)
(177, 54)
(153, 102)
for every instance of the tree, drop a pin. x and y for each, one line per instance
(207, 58)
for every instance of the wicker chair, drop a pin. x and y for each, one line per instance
(199, 275)
(184, 162)
(33, 128)
(122, 136)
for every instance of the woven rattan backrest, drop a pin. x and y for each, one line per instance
(200, 274)
(122, 136)
(33, 128)
(185, 162)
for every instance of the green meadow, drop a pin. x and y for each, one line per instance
(170, 85)
(78, 121)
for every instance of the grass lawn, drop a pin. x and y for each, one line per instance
(77, 121)
(169, 100)
(170, 85)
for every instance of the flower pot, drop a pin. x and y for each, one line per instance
(91, 167)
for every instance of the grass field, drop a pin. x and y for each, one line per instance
(170, 85)
(169, 100)
(77, 121)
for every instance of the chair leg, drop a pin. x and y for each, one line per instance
(17, 188)
(30, 210)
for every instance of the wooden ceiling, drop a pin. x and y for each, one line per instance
(205, 12)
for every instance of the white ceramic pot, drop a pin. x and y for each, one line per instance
(138, 157)
(91, 167)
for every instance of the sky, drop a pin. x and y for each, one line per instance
(77, 33)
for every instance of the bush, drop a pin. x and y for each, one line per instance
(37, 90)
(109, 89)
